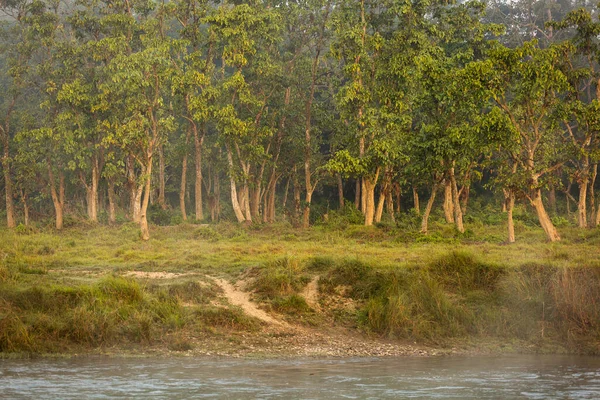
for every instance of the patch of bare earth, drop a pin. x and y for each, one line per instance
(239, 298)
(279, 338)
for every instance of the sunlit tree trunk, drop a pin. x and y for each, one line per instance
(448, 204)
(58, 197)
(536, 202)
(458, 217)
(428, 207)
(234, 195)
(145, 231)
(510, 206)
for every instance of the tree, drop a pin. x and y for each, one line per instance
(524, 84)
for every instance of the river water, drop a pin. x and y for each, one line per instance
(504, 377)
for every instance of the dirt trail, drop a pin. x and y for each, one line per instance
(242, 299)
(311, 294)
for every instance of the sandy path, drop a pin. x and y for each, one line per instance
(242, 299)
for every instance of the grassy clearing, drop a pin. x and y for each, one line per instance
(71, 289)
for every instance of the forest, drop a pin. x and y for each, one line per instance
(263, 110)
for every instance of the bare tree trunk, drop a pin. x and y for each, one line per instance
(398, 195)
(581, 204)
(583, 187)
(510, 205)
(57, 197)
(246, 202)
(112, 215)
(340, 186)
(389, 201)
(536, 202)
(369, 200)
(296, 197)
(234, 195)
(161, 178)
(448, 204)
(363, 196)
(25, 207)
(145, 230)
(198, 143)
(135, 191)
(380, 203)
(465, 191)
(458, 216)
(92, 190)
(183, 186)
(428, 207)
(416, 200)
(285, 194)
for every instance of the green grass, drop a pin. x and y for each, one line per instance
(71, 288)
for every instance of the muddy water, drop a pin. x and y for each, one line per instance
(505, 377)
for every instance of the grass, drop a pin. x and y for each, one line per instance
(67, 289)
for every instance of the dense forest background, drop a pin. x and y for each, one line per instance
(263, 110)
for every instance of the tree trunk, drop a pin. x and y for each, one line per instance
(428, 207)
(112, 215)
(536, 202)
(198, 143)
(340, 186)
(10, 206)
(57, 197)
(581, 204)
(380, 203)
(25, 207)
(416, 201)
(145, 231)
(389, 201)
(234, 195)
(161, 178)
(285, 194)
(458, 216)
(182, 188)
(92, 192)
(246, 202)
(398, 195)
(135, 191)
(296, 197)
(448, 203)
(369, 199)
(466, 191)
(306, 210)
(510, 205)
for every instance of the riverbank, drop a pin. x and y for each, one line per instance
(273, 291)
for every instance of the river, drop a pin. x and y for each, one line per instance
(457, 377)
